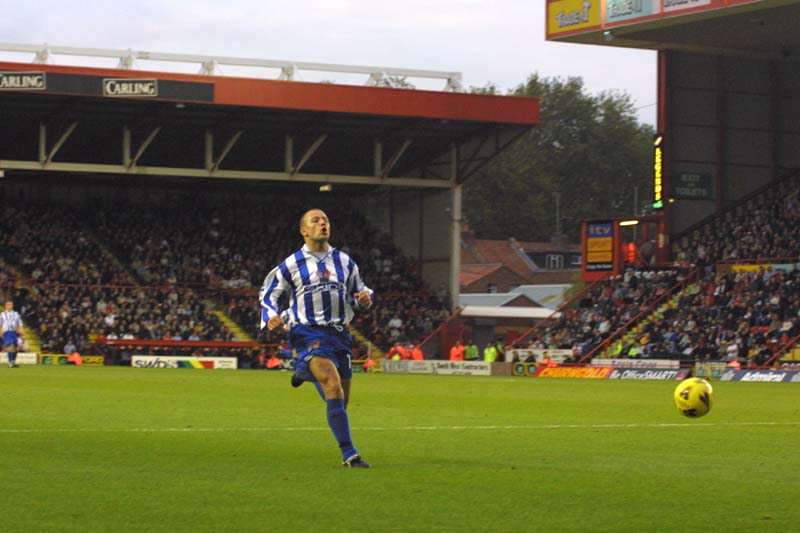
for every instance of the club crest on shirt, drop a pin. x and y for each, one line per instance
(324, 275)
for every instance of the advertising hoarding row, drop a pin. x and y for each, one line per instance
(23, 358)
(458, 368)
(570, 17)
(86, 85)
(175, 361)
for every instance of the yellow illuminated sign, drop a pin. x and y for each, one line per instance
(571, 15)
(658, 166)
(599, 244)
(599, 257)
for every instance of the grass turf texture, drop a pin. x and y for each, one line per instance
(121, 449)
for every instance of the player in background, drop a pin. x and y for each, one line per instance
(323, 285)
(11, 326)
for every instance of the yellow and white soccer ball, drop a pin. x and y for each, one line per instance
(694, 397)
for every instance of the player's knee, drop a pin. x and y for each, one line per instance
(332, 386)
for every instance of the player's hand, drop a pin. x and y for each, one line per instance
(364, 299)
(274, 323)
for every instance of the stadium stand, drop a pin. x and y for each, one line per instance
(138, 271)
(761, 227)
(133, 270)
(604, 309)
(732, 293)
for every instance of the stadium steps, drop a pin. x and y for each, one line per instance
(632, 334)
(375, 352)
(116, 261)
(239, 333)
(32, 341)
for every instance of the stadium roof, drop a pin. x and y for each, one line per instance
(546, 295)
(119, 121)
(508, 312)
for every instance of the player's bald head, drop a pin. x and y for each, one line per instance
(315, 211)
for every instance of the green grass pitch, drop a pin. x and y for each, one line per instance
(121, 449)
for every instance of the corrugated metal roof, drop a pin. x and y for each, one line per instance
(547, 295)
(507, 312)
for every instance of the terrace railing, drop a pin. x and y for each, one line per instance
(646, 311)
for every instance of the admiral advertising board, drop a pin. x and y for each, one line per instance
(763, 376)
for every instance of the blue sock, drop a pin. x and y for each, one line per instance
(340, 426)
(12, 358)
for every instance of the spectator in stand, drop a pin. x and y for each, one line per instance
(152, 244)
(471, 351)
(417, 354)
(457, 351)
(490, 353)
(500, 346)
(70, 347)
(398, 352)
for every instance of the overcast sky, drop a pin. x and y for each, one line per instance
(497, 41)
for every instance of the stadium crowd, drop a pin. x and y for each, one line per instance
(139, 271)
(78, 293)
(740, 315)
(763, 227)
(132, 270)
(727, 313)
(605, 308)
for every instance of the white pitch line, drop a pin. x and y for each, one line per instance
(400, 428)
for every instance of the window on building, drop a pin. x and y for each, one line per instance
(555, 261)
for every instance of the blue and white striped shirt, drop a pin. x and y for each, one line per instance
(321, 289)
(10, 321)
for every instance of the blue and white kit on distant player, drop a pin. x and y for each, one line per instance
(10, 323)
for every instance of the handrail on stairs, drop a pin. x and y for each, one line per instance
(649, 308)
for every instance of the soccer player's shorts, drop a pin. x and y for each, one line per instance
(331, 342)
(10, 338)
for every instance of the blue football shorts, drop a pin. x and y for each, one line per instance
(331, 342)
(10, 338)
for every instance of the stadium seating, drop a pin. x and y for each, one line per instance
(738, 307)
(139, 271)
(154, 272)
(604, 308)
